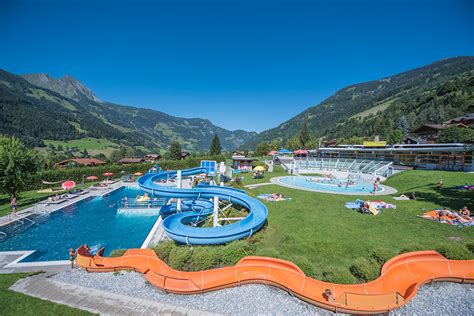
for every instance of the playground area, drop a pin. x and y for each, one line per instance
(309, 244)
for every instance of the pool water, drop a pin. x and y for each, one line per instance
(94, 221)
(337, 185)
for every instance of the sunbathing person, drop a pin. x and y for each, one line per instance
(465, 213)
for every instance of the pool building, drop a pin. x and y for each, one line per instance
(449, 156)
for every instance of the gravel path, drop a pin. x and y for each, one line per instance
(436, 299)
(441, 298)
(243, 300)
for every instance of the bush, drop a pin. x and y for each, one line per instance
(304, 264)
(412, 247)
(452, 251)
(470, 247)
(231, 253)
(180, 257)
(338, 275)
(204, 258)
(163, 249)
(382, 255)
(117, 252)
(365, 269)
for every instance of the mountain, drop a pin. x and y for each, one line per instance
(37, 107)
(66, 86)
(433, 93)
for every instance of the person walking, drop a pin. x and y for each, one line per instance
(72, 257)
(13, 205)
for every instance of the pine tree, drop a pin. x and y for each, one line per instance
(403, 125)
(175, 151)
(305, 136)
(85, 153)
(216, 148)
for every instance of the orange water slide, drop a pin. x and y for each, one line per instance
(398, 283)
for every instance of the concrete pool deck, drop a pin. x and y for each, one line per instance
(387, 190)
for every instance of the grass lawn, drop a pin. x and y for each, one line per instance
(13, 303)
(317, 229)
(88, 143)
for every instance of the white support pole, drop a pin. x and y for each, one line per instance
(179, 176)
(216, 211)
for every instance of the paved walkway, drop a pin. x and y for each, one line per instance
(95, 301)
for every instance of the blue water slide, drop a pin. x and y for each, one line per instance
(197, 205)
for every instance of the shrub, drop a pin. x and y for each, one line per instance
(231, 253)
(204, 258)
(412, 247)
(454, 251)
(163, 249)
(338, 275)
(470, 247)
(382, 255)
(180, 257)
(304, 264)
(365, 269)
(117, 252)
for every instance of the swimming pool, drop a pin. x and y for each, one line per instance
(93, 221)
(337, 185)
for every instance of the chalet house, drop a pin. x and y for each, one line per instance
(467, 120)
(242, 163)
(131, 160)
(152, 157)
(76, 162)
(430, 132)
(184, 154)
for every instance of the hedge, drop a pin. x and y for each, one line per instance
(77, 173)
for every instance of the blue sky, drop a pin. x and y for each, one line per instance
(241, 64)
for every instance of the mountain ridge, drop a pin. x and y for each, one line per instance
(82, 114)
(325, 118)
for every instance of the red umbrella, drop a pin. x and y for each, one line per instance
(108, 174)
(68, 185)
(91, 178)
(273, 152)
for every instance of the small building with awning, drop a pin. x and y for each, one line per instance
(242, 163)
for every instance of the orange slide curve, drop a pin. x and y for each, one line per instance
(398, 283)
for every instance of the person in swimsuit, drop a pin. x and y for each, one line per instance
(72, 257)
(13, 205)
(328, 296)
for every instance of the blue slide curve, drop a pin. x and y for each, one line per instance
(196, 205)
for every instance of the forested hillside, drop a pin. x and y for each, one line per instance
(45, 108)
(433, 93)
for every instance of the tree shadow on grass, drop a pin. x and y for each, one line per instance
(448, 197)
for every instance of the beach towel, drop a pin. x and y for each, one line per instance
(452, 218)
(465, 187)
(269, 198)
(401, 198)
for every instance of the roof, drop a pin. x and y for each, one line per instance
(438, 126)
(416, 139)
(242, 158)
(83, 161)
(131, 160)
(460, 119)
